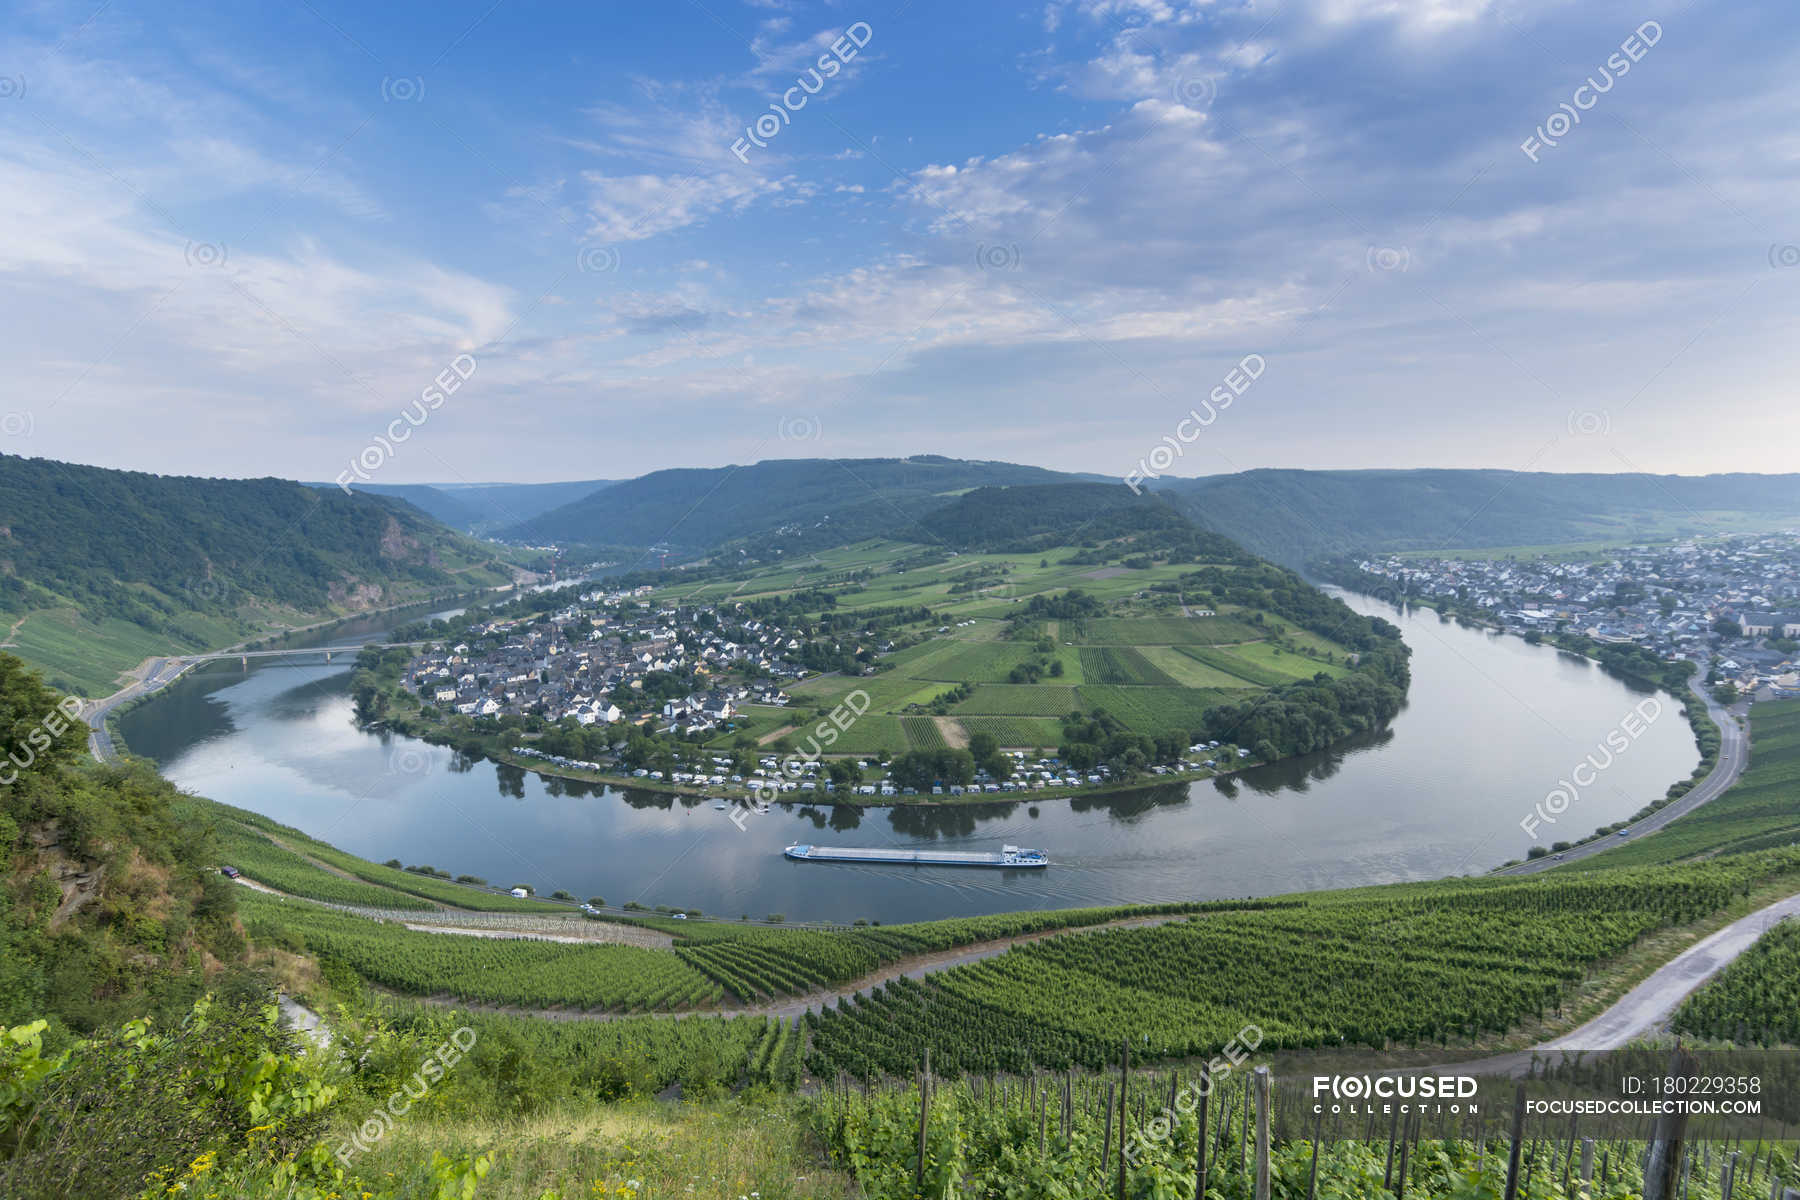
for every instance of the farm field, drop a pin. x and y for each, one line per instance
(1154, 670)
(1020, 700)
(1158, 709)
(1017, 733)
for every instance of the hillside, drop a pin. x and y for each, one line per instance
(785, 504)
(1295, 517)
(106, 911)
(483, 507)
(101, 568)
(1020, 519)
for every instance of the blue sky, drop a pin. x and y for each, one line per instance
(243, 239)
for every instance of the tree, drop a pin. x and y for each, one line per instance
(1726, 627)
(982, 746)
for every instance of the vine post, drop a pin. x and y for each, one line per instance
(1262, 1133)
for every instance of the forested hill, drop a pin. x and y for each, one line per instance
(1029, 517)
(1296, 517)
(793, 503)
(483, 507)
(94, 557)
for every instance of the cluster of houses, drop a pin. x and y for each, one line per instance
(1674, 600)
(591, 660)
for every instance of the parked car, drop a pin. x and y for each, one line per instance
(229, 872)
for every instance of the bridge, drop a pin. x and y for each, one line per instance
(292, 652)
(158, 673)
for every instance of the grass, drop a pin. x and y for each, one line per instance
(979, 662)
(756, 1145)
(271, 865)
(88, 657)
(1158, 708)
(1168, 631)
(870, 733)
(429, 887)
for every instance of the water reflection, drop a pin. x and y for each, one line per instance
(1492, 724)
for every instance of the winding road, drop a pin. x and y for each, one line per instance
(1647, 1007)
(1734, 756)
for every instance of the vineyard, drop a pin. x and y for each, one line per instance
(1020, 700)
(1756, 1000)
(268, 864)
(632, 1056)
(1121, 664)
(1158, 708)
(532, 974)
(922, 733)
(1026, 732)
(758, 963)
(1420, 964)
(1062, 1137)
(1231, 664)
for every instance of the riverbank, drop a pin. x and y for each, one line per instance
(154, 674)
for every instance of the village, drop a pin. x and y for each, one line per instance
(612, 656)
(1731, 604)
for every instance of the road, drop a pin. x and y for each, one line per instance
(1734, 756)
(157, 673)
(1646, 1008)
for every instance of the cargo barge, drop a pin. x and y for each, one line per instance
(1009, 856)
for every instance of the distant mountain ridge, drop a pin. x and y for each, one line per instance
(798, 503)
(1026, 518)
(1297, 517)
(483, 507)
(100, 567)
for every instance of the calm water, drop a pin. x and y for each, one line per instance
(1492, 725)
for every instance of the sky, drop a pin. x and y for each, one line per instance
(270, 239)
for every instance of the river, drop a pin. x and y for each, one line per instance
(1492, 725)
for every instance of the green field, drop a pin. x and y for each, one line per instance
(86, 657)
(1158, 709)
(977, 662)
(1020, 700)
(922, 733)
(1145, 663)
(1168, 631)
(1017, 733)
(1121, 664)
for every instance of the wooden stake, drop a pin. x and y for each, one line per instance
(1261, 1078)
(1518, 1142)
(1200, 1139)
(1124, 1090)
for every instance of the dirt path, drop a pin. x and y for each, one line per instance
(775, 734)
(955, 736)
